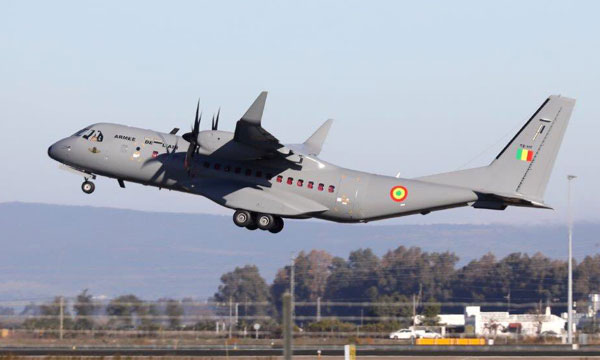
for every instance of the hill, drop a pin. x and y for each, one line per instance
(54, 249)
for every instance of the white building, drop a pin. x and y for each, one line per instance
(501, 322)
(498, 323)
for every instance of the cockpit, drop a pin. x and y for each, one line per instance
(90, 134)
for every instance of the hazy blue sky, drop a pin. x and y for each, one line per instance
(417, 87)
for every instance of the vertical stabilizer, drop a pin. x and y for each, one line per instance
(523, 167)
(525, 164)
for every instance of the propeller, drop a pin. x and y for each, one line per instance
(192, 138)
(215, 121)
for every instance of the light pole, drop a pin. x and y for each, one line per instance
(570, 286)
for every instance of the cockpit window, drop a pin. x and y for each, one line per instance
(93, 135)
(81, 132)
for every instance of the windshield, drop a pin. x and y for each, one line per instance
(90, 134)
(81, 132)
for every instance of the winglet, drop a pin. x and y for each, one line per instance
(315, 142)
(254, 114)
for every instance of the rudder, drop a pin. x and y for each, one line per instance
(519, 174)
(525, 163)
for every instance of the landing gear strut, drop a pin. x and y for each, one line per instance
(88, 187)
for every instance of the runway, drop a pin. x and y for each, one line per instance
(408, 351)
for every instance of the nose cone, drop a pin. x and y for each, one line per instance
(60, 150)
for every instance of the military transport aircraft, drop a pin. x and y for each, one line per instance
(264, 181)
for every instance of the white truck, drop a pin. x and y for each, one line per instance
(411, 334)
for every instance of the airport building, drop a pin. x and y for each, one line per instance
(501, 323)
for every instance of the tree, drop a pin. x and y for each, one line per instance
(400, 315)
(355, 279)
(245, 285)
(174, 311)
(407, 271)
(84, 309)
(122, 310)
(431, 312)
(49, 316)
(311, 273)
(587, 277)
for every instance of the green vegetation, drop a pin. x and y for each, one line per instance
(371, 293)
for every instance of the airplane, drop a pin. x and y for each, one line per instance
(264, 181)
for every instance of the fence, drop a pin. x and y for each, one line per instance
(187, 320)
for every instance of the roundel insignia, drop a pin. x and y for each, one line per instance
(398, 193)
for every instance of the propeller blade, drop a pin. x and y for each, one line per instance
(192, 139)
(196, 120)
(216, 125)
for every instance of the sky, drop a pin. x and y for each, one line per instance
(416, 87)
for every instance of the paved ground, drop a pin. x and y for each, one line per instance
(327, 353)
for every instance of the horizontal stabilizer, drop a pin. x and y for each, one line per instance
(314, 144)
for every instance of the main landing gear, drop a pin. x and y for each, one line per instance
(253, 221)
(88, 187)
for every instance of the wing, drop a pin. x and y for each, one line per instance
(250, 133)
(236, 195)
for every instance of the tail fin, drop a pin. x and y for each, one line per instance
(522, 169)
(525, 164)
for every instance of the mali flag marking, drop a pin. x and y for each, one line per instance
(398, 193)
(524, 154)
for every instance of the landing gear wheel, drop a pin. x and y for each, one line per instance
(242, 218)
(265, 221)
(88, 187)
(278, 226)
(252, 227)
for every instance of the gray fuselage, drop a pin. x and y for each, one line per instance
(334, 193)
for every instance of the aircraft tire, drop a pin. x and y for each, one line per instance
(265, 221)
(252, 227)
(242, 218)
(278, 226)
(88, 187)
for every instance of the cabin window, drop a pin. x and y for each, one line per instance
(279, 178)
(310, 184)
(290, 181)
(259, 173)
(238, 170)
(331, 188)
(206, 164)
(217, 166)
(227, 168)
(300, 182)
(321, 187)
(248, 172)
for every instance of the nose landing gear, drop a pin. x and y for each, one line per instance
(251, 221)
(88, 187)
